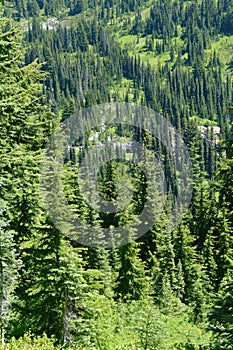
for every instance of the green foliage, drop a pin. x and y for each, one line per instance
(221, 315)
(9, 265)
(29, 343)
(156, 291)
(141, 325)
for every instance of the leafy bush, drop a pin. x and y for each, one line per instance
(29, 343)
(139, 325)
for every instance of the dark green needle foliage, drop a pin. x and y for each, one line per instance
(168, 289)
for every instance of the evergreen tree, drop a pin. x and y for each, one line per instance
(9, 265)
(221, 316)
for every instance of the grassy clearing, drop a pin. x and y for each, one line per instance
(137, 46)
(223, 47)
(203, 121)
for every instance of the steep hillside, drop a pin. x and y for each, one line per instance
(164, 279)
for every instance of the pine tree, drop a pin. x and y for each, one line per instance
(9, 265)
(131, 283)
(221, 317)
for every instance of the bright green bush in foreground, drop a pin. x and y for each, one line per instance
(127, 326)
(28, 343)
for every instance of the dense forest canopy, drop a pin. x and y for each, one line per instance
(169, 288)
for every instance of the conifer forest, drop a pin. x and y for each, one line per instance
(116, 174)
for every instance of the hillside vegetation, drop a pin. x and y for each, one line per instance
(167, 289)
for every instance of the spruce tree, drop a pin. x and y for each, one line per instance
(9, 266)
